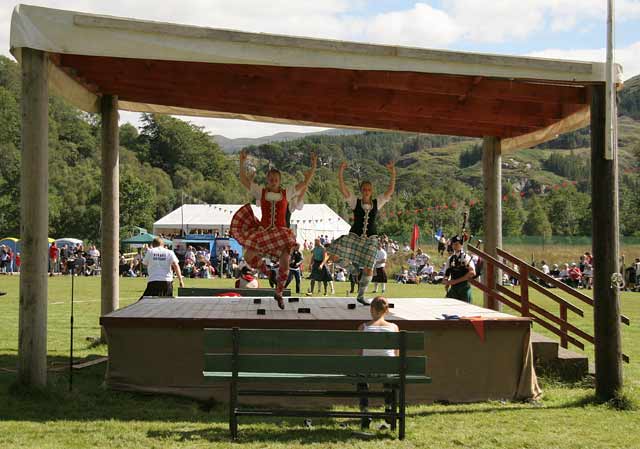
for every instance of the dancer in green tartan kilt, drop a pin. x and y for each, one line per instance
(359, 247)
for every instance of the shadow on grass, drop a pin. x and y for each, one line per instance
(90, 399)
(272, 434)
(507, 407)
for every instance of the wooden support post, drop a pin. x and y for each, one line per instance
(564, 342)
(34, 220)
(492, 180)
(605, 236)
(110, 206)
(524, 290)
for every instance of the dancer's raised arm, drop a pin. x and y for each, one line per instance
(343, 187)
(245, 179)
(392, 183)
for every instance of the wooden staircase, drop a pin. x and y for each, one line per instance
(551, 355)
(553, 360)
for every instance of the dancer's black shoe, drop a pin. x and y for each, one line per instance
(363, 301)
(279, 299)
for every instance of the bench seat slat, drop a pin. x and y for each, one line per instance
(265, 339)
(224, 376)
(314, 364)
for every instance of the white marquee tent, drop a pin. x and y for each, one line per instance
(310, 222)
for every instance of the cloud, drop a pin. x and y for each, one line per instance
(628, 57)
(421, 25)
(502, 20)
(229, 128)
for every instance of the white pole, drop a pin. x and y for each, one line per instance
(611, 128)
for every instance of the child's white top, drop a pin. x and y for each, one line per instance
(379, 352)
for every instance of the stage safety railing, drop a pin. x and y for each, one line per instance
(529, 277)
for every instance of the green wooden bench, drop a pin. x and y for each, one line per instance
(202, 291)
(251, 355)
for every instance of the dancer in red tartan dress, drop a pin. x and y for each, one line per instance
(269, 236)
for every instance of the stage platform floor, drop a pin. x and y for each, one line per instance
(156, 344)
(323, 312)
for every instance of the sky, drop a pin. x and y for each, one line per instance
(568, 29)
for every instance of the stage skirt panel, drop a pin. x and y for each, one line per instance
(247, 230)
(359, 250)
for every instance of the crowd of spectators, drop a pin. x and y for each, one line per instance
(9, 261)
(74, 259)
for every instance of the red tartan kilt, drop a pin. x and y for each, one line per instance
(246, 229)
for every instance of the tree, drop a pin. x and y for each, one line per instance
(136, 201)
(537, 223)
(513, 216)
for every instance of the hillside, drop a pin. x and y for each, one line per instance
(235, 145)
(630, 98)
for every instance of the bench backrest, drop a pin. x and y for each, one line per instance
(219, 349)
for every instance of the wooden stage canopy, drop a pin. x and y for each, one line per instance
(102, 64)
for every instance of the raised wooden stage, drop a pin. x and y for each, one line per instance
(156, 344)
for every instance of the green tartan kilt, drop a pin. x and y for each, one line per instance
(461, 291)
(358, 250)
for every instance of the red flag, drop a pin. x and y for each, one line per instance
(415, 235)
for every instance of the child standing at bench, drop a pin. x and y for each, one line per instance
(379, 308)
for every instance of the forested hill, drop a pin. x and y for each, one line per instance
(546, 189)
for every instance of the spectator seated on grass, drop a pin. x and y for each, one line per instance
(188, 270)
(403, 277)
(574, 276)
(426, 273)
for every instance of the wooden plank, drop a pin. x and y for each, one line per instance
(444, 123)
(403, 81)
(516, 114)
(89, 363)
(314, 364)
(224, 376)
(252, 92)
(545, 277)
(558, 299)
(251, 339)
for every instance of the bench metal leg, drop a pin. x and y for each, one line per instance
(394, 408)
(233, 418)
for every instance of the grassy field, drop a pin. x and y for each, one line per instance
(92, 416)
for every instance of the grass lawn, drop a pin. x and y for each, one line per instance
(92, 416)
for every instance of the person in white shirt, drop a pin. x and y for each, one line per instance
(381, 273)
(161, 263)
(545, 268)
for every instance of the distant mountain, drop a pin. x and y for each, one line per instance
(630, 98)
(235, 145)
